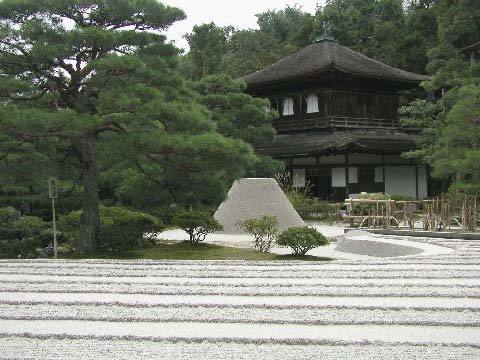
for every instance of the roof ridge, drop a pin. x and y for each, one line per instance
(379, 62)
(279, 61)
(322, 55)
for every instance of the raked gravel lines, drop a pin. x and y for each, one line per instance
(102, 349)
(416, 307)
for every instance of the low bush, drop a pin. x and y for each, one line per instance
(25, 248)
(301, 239)
(8, 215)
(23, 236)
(264, 231)
(121, 228)
(197, 224)
(308, 207)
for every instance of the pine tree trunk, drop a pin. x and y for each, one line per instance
(84, 148)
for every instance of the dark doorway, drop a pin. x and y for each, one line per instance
(366, 180)
(321, 182)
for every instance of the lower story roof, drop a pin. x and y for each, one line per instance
(313, 143)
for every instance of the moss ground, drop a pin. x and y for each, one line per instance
(175, 250)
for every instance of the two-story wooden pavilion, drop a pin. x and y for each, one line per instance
(338, 127)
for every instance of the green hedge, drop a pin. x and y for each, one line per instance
(121, 228)
(308, 207)
(23, 236)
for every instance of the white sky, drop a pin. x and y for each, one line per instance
(239, 13)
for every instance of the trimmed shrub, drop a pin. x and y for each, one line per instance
(25, 248)
(197, 224)
(8, 215)
(23, 236)
(264, 231)
(121, 228)
(124, 229)
(301, 239)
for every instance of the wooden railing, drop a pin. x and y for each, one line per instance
(289, 124)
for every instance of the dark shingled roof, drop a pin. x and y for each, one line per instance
(324, 55)
(310, 143)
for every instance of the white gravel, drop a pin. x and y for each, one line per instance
(240, 332)
(102, 349)
(425, 306)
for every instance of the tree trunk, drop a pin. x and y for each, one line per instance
(84, 148)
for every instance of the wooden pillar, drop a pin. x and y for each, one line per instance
(347, 175)
(383, 170)
(416, 181)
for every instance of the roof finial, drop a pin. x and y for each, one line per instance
(326, 33)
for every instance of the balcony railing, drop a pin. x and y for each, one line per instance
(291, 124)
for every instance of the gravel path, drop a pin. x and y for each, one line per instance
(415, 307)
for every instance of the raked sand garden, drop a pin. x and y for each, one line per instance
(421, 306)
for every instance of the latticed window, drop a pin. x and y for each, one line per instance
(312, 104)
(288, 106)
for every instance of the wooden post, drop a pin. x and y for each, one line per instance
(52, 193)
(383, 169)
(416, 181)
(351, 214)
(347, 176)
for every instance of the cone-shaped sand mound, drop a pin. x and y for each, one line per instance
(252, 198)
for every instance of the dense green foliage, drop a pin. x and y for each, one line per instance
(450, 126)
(264, 230)
(197, 224)
(301, 239)
(120, 229)
(302, 201)
(23, 236)
(308, 207)
(240, 116)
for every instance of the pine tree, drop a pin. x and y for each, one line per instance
(88, 82)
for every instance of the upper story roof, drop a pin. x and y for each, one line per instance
(325, 55)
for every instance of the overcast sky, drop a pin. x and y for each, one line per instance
(239, 13)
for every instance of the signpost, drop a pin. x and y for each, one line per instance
(52, 193)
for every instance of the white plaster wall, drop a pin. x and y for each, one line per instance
(400, 180)
(338, 177)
